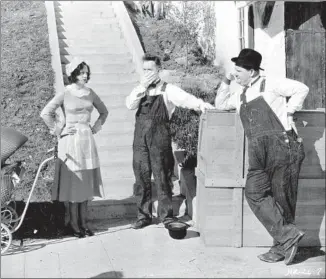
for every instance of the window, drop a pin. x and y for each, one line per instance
(251, 27)
(241, 28)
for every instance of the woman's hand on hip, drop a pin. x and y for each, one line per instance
(97, 127)
(71, 130)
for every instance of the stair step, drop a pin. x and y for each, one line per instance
(87, 43)
(118, 171)
(81, 3)
(75, 6)
(85, 12)
(118, 188)
(116, 208)
(60, 20)
(115, 155)
(111, 100)
(110, 68)
(90, 50)
(84, 17)
(111, 141)
(98, 58)
(113, 208)
(121, 116)
(103, 28)
(112, 89)
(116, 129)
(95, 35)
(99, 78)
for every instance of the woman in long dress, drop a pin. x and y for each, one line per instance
(77, 175)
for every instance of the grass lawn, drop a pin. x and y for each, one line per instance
(27, 82)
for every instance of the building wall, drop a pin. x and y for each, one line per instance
(270, 42)
(227, 43)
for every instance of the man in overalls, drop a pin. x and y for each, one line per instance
(274, 149)
(155, 102)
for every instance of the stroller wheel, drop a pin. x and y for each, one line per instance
(9, 217)
(6, 238)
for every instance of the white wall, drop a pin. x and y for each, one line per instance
(227, 43)
(270, 42)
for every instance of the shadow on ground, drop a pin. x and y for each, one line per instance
(110, 225)
(191, 234)
(305, 253)
(15, 249)
(110, 274)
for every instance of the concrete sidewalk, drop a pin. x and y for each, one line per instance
(117, 251)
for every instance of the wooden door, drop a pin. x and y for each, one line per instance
(305, 41)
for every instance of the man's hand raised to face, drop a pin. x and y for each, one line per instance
(148, 79)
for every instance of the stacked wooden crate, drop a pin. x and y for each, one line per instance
(224, 217)
(220, 179)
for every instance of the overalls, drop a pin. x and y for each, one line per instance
(152, 153)
(275, 158)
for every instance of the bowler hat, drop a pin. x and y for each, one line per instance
(248, 58)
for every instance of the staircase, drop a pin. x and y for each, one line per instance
(91, 30)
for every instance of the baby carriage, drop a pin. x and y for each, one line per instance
(11, 175)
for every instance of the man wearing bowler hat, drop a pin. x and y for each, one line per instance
(266, 106)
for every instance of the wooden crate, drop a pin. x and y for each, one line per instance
(220, 179)
(223, 215)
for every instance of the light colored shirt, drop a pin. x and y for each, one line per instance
(173, 97)
(275, 94)
(77, 107)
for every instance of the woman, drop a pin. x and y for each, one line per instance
(77, 176)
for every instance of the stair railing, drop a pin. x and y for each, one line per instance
(129, 33)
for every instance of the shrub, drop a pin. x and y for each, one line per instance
(167, 38)
(185, 125)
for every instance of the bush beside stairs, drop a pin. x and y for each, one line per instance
(90, 29)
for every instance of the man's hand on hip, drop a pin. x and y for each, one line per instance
(291, 123)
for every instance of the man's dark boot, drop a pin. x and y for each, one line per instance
(291, 252)
(271, 257)
(141, 223)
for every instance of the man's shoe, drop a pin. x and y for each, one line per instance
(291, 252)
(139, 224)
(271, 257)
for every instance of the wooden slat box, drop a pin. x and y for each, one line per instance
(223, 215)
(220, 179)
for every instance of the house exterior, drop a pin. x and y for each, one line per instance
(289, 35)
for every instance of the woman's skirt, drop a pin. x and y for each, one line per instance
(76, 185)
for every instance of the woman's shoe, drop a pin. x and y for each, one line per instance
(87, 232)
(79, 234)
(71, 231)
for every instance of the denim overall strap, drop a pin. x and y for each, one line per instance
(258, 119)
